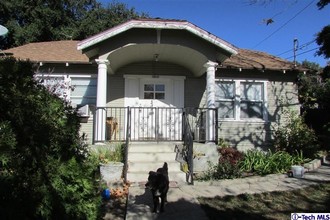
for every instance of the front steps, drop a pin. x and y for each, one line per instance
(149, 156)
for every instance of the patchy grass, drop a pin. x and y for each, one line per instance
(273, 205)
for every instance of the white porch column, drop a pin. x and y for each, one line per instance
(210, 98)
(101, 99)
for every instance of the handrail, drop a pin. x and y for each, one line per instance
(128, 136)
(189, 145)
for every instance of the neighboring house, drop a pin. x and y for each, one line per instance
(160, 69)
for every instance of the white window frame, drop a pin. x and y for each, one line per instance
(237, 99)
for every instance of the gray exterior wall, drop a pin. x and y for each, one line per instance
(281, 89)
(281, 93)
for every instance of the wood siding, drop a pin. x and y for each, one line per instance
(281, 93)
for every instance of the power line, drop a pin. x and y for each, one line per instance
(299, 48)
(303, 53)
(283, 24)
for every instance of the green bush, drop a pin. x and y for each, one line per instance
(263, 163)
(295, 136)
(106, 154)
(45, 169)
(233, 164)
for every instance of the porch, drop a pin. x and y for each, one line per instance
(157, 135)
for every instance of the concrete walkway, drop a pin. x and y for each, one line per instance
(183, 203)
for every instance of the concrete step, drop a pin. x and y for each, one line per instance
(134, 177)
(151, 157)
(140, 166)
(151, 147)
(156, 149)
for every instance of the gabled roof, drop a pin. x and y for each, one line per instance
(66, 51)
(157, 24)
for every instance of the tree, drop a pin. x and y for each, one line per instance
(308, 85)
(45, 169)
(48, 20)
(322, 3)
(323, 40)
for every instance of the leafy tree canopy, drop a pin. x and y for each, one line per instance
(322, 3)
(323, 40)
(48, 20)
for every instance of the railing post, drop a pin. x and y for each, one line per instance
(216, 127)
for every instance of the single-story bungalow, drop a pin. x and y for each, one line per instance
(138, 79)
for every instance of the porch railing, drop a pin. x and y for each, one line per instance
(156, 124)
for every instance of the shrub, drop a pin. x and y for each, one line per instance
(227, 167)
(106, 154)
(263, 163)
(295, 136)
(45, 172)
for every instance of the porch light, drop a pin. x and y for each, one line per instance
(41, 64)
(66, 64)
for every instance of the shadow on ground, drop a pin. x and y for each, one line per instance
(141, 207)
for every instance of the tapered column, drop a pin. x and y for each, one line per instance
(210, 98)
(101, 101)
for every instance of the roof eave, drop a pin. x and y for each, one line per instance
(153, 24)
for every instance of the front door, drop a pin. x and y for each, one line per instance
(154, 115)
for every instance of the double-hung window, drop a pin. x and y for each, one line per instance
(241, 99)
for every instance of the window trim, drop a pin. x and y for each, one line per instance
(237, 99)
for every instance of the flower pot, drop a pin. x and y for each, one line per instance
(297, 171)
(200, 163)
(111, 172)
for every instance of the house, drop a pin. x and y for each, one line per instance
(140, 77)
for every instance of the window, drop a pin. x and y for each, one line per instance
(154, 91)
(225, 97)
(241, 99)
(56, 84)
(84, 91)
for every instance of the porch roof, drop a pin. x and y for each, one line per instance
(157, 24)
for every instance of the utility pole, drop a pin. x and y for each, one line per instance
(295, 48)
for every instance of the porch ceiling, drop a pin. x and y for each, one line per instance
(181, 55)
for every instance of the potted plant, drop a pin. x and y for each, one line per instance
(111, 162)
